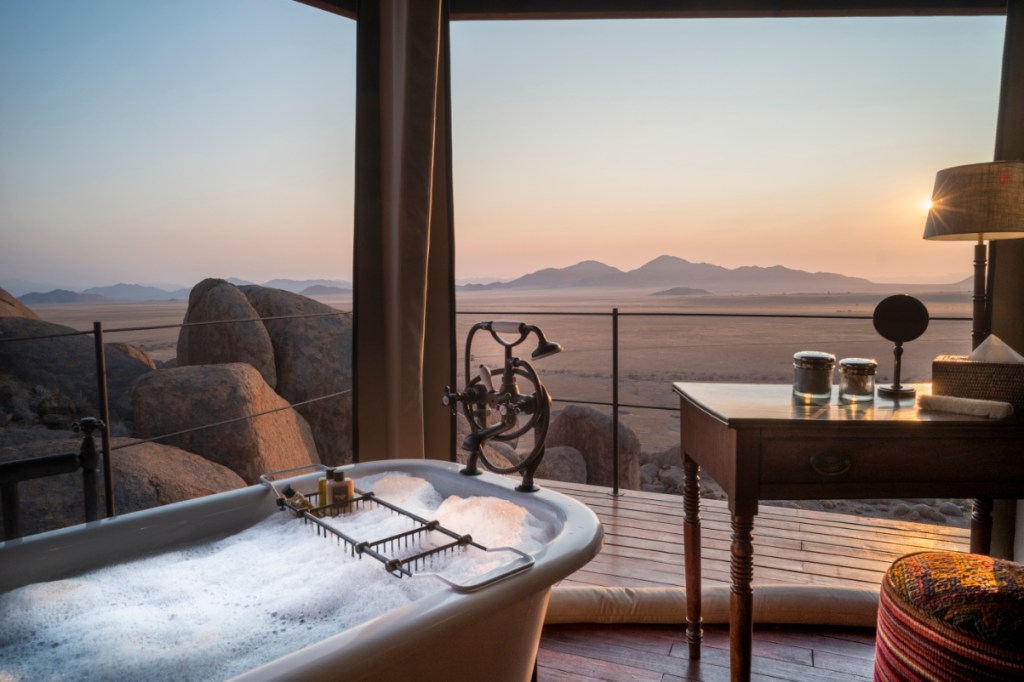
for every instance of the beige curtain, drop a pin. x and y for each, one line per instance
(403, 252)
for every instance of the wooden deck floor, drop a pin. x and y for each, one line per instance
(644, 548)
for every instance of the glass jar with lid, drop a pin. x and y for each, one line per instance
(857, 380)
(812, 377)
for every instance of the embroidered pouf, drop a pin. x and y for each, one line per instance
(950, 616)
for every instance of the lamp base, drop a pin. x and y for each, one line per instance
(897, 392)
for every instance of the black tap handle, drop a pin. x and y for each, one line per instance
(451, 399)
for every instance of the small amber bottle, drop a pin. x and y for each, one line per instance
(341, 490)
(296, 499)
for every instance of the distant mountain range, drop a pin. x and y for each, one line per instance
(60, 296)
(139, 292)
(136, 292)
(669, 272)
(665, 275)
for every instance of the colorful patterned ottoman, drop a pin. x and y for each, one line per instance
(951, 616)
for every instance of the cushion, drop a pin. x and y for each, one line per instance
(978, 595)
(951, 616)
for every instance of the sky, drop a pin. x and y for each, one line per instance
(165, 141)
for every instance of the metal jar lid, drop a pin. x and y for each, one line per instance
(814, 359)
(857, 366)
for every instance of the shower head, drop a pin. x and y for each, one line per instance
(545, 348)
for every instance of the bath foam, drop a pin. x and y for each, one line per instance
(217, 609)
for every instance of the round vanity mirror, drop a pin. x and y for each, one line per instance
(899, 318)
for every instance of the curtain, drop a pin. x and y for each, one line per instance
(1006, 258)
(403, 288)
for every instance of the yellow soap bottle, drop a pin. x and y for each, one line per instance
(324, 488)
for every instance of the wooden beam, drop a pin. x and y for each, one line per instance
(708, 9)
(344, 8)
(692, 9)
(1006, 257)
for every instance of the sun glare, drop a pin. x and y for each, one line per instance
(926, 204)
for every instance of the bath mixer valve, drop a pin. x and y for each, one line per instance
(480, 397)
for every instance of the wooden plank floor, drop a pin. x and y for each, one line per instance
(644, 548)
(573, 653)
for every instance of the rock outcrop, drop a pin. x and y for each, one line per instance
(57, 376)
(312, 358)
(144, 475)
(590, 432)
(12, 307)
(669, 457)
(562, 463)
(215, 300)
(134, 352)
(302, 358)
(662, 472)
(171, 400)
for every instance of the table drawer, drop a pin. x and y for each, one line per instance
(852, 460)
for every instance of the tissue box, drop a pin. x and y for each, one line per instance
(957, 376)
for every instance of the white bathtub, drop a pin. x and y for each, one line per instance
(489, 634)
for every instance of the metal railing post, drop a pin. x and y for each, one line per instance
(88, 459)
(615, 403)
(101, 384)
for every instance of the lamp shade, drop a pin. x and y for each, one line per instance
(978, 201)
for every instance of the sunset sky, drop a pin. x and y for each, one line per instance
(164, 142)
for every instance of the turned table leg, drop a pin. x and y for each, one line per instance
(981, 526)
(691, 551)
(741, 597)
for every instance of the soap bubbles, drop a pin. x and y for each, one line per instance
(217, 609)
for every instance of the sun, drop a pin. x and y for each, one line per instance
(925, 204)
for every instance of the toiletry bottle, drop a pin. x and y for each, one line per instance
(342, 490)
(323, 486)
(296, 499)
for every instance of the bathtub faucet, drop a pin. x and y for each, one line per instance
(505, 413)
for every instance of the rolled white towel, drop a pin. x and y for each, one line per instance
(993, 409)
(807, 604)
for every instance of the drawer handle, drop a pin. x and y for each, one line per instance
(830, 463)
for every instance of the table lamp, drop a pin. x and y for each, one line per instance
(978, 201)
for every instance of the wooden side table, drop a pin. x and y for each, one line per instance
(757, 444)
